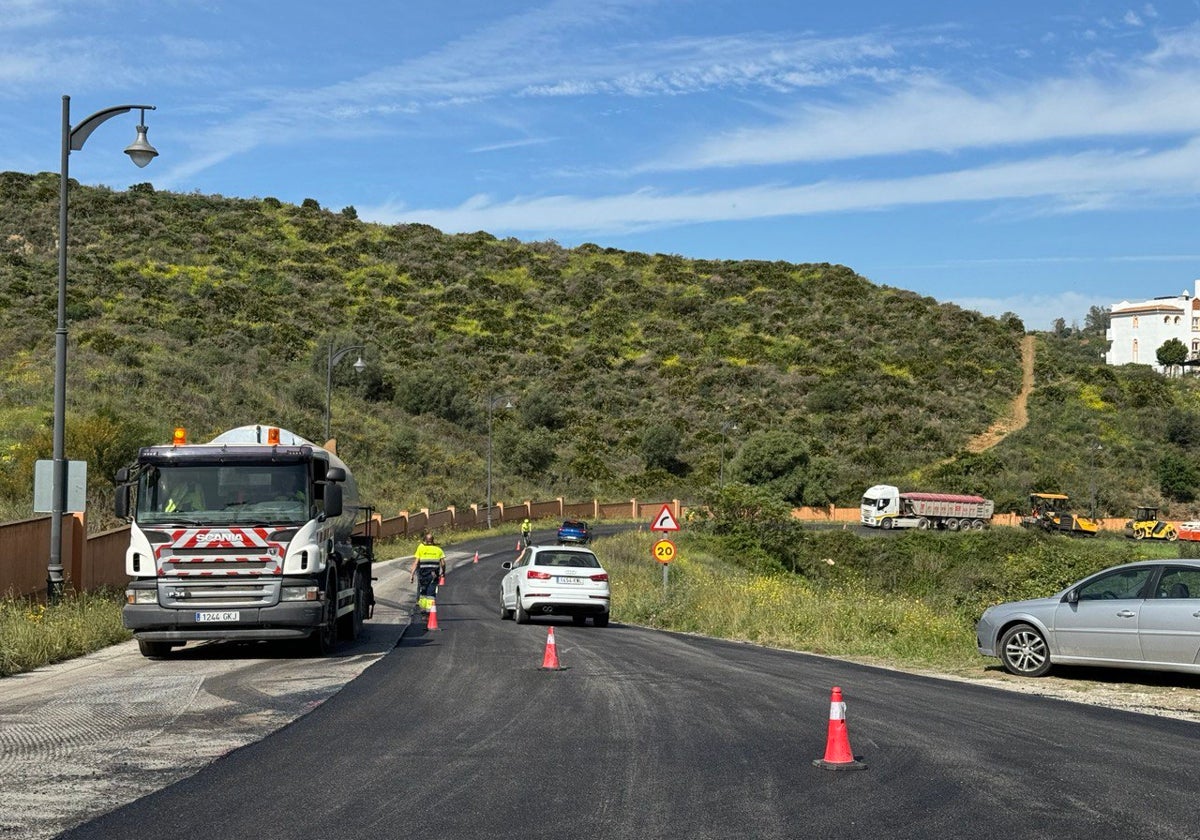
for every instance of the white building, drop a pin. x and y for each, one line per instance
(1137, 329)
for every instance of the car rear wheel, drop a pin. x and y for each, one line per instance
(522, 615)
(600, 619)
(505, 613)
(579, 620)
(1023, 651)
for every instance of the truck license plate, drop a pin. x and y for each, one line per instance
(227, 615)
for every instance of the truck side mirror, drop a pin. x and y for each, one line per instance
(121, 500)
(333, 500)
(335, 474)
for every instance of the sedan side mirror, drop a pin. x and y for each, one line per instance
(1073, 597)
(507, 564)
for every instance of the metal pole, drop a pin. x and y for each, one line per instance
(721, 474)
(328, 387)
(491, 405)
(334, 358)
(58, 486)
(141, 153)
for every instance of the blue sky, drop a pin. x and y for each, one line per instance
(1032, 157)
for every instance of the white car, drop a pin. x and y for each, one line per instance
(555, 580)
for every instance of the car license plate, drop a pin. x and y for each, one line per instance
(226, 615)
(570, 580)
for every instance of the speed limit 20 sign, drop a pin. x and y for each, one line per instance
(663, 551)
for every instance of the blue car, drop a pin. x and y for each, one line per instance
(574, 531)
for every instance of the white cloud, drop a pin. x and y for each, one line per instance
(1071, 182)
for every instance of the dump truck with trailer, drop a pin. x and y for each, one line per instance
(884, 506)
(252, 535)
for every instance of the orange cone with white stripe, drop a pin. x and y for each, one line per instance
(476, 560)
(837, 744)
(550, 657)
(431, 622)
(441, 580)
(518, 545)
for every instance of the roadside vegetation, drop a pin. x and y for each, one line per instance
(33, 634)
(908, 600)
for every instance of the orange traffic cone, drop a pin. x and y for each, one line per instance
(476, 560)
(550, 657)
(837, 744)
(431, 622)
(441, 580)
(518, 545)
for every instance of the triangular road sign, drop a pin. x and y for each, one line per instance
(665, 521)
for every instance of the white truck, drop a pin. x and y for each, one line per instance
(884, 506)
(249, 536)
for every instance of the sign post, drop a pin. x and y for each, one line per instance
(664, 550)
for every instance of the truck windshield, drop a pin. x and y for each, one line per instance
(224, 494)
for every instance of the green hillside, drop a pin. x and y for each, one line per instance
(211, 312)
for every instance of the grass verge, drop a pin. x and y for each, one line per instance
(33, 634)
(709, 596)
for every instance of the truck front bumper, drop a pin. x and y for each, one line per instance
(154, 623)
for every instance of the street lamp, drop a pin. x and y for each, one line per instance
(726, 427)
(334, 358)
(141, 153)
(491, 404)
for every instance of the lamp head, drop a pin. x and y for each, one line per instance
(140, 151)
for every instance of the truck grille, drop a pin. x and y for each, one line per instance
(220, 594)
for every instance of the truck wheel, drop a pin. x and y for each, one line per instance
(1172, 535)
(154, 650)
(1139, 534)
(886, 524)
(322, 640)
(350, 625)
(952, 524)
(924, 524)
(978, 524)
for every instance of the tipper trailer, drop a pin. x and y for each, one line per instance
(884, 506)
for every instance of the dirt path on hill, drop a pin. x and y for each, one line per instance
(1018, 414)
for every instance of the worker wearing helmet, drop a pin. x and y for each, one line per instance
(430, 562)
(526, 531)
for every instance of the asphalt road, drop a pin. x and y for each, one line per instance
(459, 733)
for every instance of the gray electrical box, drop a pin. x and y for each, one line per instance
(43, 487)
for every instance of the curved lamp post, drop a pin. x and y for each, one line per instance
(491, 404)
(141, 152)
(726, 427)
(334, 358)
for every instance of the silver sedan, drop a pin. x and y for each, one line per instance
(1138, 615)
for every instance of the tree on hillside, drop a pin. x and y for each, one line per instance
(1178, 477)
(1172, 354)
(1098, 319)
(777, 461)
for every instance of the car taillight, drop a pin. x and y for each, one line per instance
(600, 577)
(536, 575)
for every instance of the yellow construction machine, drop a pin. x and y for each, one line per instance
(1146, 525)
(1049, 512)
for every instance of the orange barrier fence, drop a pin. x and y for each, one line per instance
(98, 560)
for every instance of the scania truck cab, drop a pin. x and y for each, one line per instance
(248, 536)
